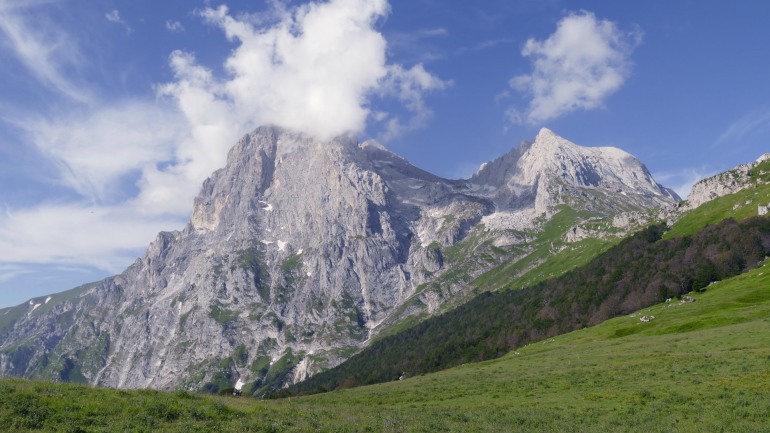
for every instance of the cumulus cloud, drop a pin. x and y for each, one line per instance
(136, 165)
(310, 71)
(577, 67)
(315, 68)
(409, 86)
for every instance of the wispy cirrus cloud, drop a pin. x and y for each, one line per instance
(76, 233)
(44, 49)
(96, 147)
(750, 125)
(10, 271)
(584, 61)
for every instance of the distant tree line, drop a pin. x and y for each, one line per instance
(638, 272)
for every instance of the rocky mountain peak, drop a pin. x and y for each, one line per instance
(551, 170)
(298, 250)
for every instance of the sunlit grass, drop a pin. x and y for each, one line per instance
(739, 206)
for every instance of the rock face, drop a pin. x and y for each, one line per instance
(296, 252)
(722, 184)
(536, 177)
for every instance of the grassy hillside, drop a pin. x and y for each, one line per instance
(701, 366)
(739, 206)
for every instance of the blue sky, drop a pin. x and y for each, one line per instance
(113, 112)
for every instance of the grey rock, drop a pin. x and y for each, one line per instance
(298, 251)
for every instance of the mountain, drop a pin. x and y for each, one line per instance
(640, 271)
(551, 170)
(300, 252)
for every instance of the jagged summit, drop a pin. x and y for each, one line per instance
(551, 170)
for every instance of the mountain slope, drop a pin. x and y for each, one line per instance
(738, 193)
(298, 252)
(637, 273)
(698, 366)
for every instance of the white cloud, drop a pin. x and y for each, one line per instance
(137, 164)
(77, 233)
(174, 26)
(43, 48)
(314, 68)
(410, 86)
(96, 149)
(581, 63)
(311, 71)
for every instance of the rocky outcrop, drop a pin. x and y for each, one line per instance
(728, 182)
(295, 253)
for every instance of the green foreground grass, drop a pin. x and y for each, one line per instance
(702, 366)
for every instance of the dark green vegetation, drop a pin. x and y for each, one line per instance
(696, 367)
(636, 273)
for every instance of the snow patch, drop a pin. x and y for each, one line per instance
(34, 308)
(47, 299)
(300, 251)
(266, 242)
(239, 384)
(281, 245)
(266, 206)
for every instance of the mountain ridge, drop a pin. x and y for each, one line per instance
(296, 252)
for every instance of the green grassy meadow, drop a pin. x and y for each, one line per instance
(739, 206)
(701, 366)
